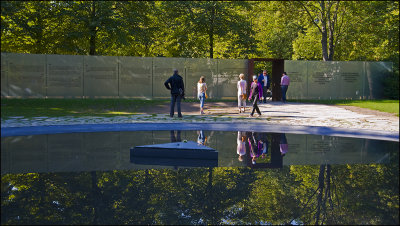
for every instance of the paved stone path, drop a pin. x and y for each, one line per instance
(274, 113)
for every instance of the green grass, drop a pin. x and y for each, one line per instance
(73, 107)
(390, 106)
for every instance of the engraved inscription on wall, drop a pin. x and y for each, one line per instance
(320, 146)
(294, 147)
(350, 77)
(135, 80)
(161, 71)
(27, 74)
(65, 76)
(135, 75)
(322, 78)
(106, 72)
(70, 81)
(135, 70)
(347, 145)
(31, 69)
(295, 76)
(200, 72)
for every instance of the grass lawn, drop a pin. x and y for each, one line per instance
(115, 107)
(391, 106)
(72, 107)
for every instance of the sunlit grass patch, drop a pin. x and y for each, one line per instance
(390, 106)
(119, 113)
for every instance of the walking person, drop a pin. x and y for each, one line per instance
(201, 92)
(175, 84)
(265, 85)
(241, 86)
(285, 80)
(261, 80)
(255, 94)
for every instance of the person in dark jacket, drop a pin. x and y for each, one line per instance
(175, 84)
(255, 95)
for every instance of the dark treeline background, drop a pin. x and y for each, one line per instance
(300, 30)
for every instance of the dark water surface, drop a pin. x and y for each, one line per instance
(248, 178)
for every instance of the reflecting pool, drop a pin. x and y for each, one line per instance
(214, 177)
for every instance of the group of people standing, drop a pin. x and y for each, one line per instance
(259, 91)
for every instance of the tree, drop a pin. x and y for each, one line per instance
(28, 27)
(199, 21)
(324, 15)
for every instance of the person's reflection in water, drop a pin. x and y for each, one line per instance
(264, 142)
(283, 145)
(201, 139)
(276, 160)
(241, 145)
(178, 136)
(255, 148)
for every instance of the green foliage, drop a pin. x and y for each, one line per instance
(391, 86)
(366, 30)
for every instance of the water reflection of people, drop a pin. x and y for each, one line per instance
(255, 148)
(264, 145)
(283, 145)
(176, 138)
(260, 148)
(201, 139)
(241, 145)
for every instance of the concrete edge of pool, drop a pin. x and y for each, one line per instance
(313, 130)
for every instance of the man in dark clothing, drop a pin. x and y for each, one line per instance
(265, 85)
(175, 84)
(255, 94)
(261, 80)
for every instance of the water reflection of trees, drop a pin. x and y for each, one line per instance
(345, 194)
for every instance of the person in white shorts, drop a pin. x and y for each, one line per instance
(241, 86)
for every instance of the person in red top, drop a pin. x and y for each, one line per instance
(284, 86)
(255, 94)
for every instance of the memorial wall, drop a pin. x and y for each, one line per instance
(336, 79)
(75, 76)
(317, 149)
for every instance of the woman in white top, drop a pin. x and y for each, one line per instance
(201, 92)
(241, 86)
(241, 145)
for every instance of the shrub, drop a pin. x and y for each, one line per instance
(391, 86)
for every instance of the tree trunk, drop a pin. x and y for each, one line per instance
(95, 198)
(211, 32)
(92, 29)
(324, 38)
(331, 25)
(320, 192)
